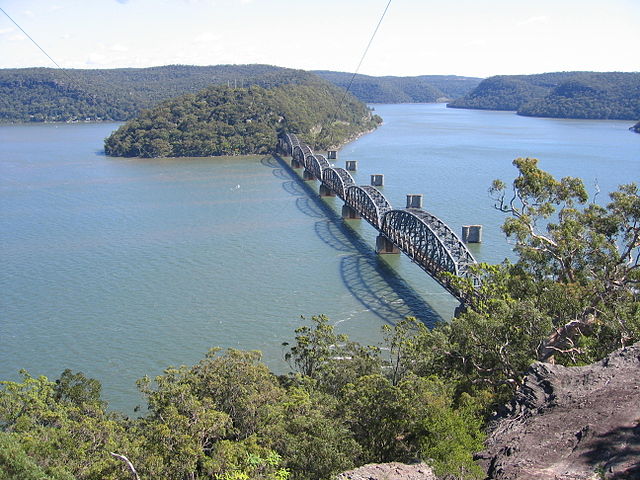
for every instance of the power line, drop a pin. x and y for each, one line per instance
(71, 79)
(362, 58)
(41, 49)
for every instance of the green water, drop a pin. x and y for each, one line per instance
(121, 267)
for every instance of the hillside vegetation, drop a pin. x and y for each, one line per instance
(420, 89)
(52, 95)
(560, 95)
(223, 120)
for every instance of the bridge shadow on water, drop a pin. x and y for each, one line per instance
(367, 277)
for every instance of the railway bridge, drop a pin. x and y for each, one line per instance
(423, 237)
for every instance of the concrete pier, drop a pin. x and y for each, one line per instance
(326, 191)
(352, 165)
(307, 175)
(472, 233)
(385, 246)
(349, 213)
(377, 180)
(414, 200)
(332, 155)
(295, 164)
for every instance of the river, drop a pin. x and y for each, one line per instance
(121, 267)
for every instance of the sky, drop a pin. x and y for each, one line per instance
(416, 37)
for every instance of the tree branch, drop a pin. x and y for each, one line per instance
(129, 464)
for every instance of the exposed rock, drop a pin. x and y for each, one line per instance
(389, 471)
(571, 423)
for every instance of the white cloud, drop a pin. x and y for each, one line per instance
(18, 37)
(4, 31)
(541, 19)
(27, 13)
(118, 47)
(207, 37)
(65, 36)
(96, 58)
(199, 2)
(476, 42)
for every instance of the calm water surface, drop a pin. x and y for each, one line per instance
(121, 267)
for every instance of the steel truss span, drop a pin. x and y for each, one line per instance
(369, 203)
(423, 237)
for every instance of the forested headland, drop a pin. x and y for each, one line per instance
(589, 95)
(571, 296)
(53, 95)
(231, 120)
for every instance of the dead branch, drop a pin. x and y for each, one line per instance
(129, 464)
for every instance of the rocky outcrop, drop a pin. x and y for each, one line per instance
(573, 423)
(389, 471)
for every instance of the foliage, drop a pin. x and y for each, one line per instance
(612, 95)
(62, 439)
(329, 358)
(223, 120)
(579, 265)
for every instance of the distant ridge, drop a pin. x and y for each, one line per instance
(50, 95)
(590, 95)
(390, 89)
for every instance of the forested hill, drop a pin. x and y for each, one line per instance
(420, 89)
(230, 120)
(613, 95)
(52, 95)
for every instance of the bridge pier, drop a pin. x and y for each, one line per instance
(349, 213)
(377, 180)
(295, 164)
(307, 175)
(332, 155)
(352, 165)
(326, 191)
(385, 246)
(414, 200)
(472, 233)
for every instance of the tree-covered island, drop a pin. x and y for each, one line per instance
(233, 120)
